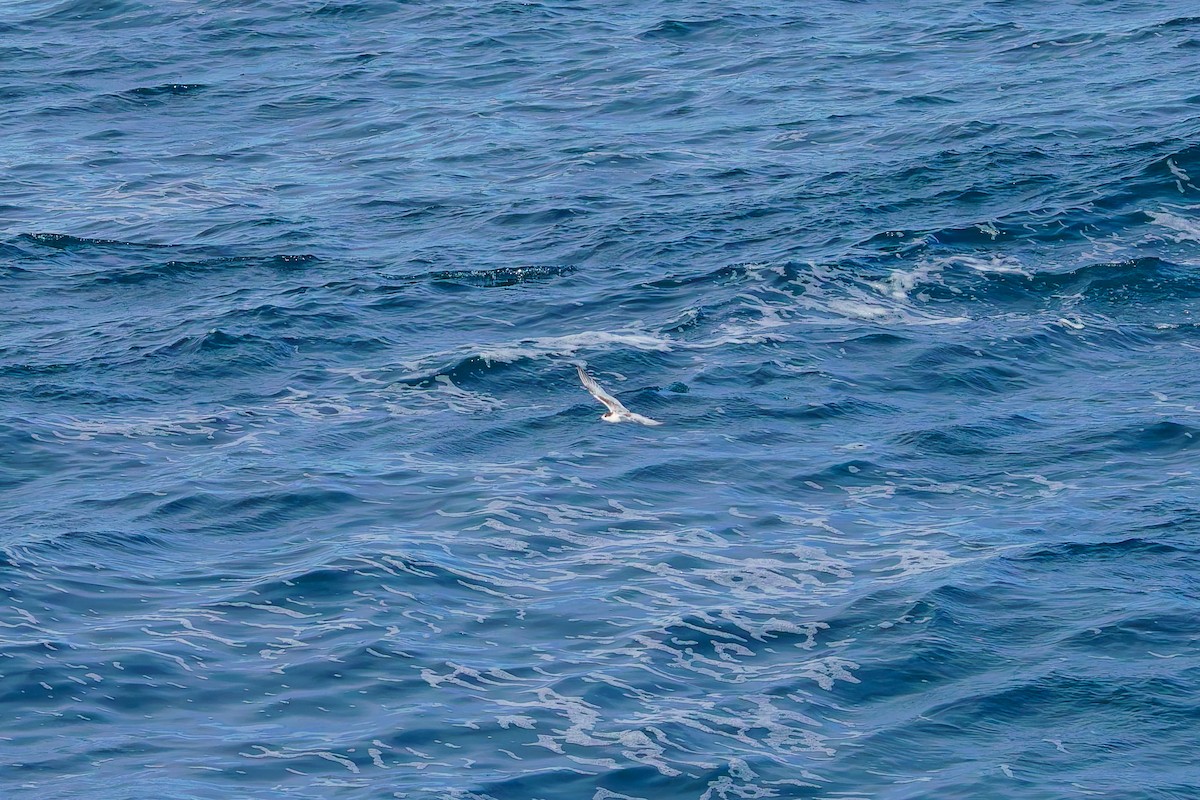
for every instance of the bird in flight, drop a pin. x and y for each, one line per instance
(617, 412)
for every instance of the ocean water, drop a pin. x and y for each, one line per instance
(301, 497)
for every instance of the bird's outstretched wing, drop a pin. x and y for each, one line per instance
(615, 407)
(611, 403)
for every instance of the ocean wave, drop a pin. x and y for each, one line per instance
(301, 491)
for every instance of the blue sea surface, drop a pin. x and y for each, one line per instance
(301, 496)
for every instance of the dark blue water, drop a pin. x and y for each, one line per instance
(300, 496)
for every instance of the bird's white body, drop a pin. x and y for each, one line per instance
(617, 412)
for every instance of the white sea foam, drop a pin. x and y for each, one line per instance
(1184, 229)
(901, 283)
(994, 265)
(407, 400)
(570, 344)
(858, 303)
(755, 331)
(1181, 177)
